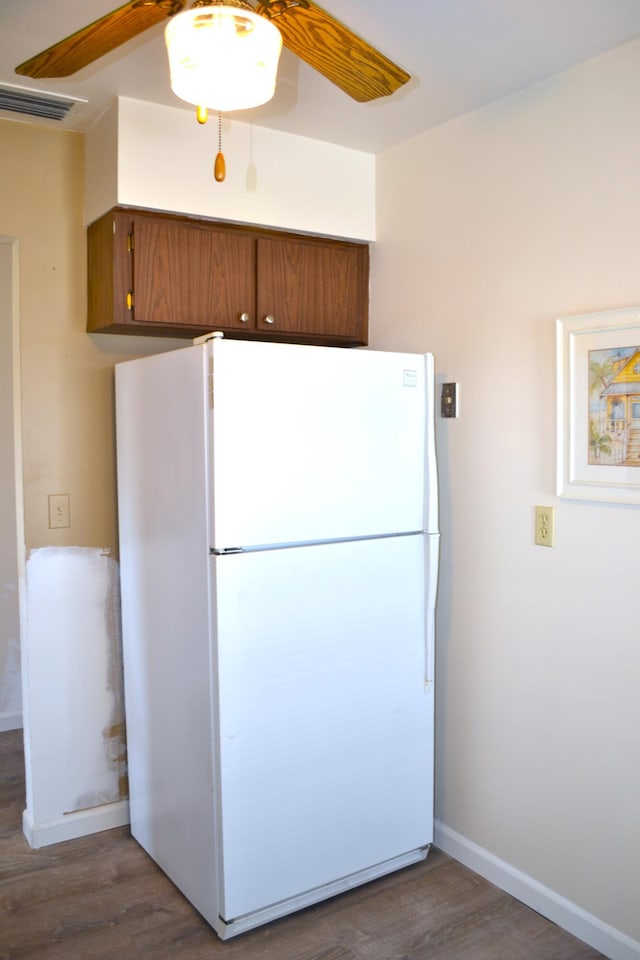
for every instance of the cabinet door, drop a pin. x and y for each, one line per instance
(313, 288)
(192, 275)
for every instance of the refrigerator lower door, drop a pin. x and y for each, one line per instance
(323, 721)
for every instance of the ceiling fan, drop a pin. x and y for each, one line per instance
(311, 33)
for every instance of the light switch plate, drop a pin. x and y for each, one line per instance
(449, 400)
(59, 511)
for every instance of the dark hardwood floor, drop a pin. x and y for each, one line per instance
(102, 898)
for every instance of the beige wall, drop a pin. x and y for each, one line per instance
(489, 228)
(66, 381)
(67, 376)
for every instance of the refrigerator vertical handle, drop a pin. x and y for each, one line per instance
(430, 460)
(432, 558)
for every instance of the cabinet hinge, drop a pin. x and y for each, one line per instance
(130, 242)
(130, 300)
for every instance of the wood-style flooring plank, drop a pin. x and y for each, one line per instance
(102, 898)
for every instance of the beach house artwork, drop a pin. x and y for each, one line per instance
(614, 406)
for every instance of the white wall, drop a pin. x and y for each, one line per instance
(500, 222)
(165, 161)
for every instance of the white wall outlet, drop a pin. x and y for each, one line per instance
(545, 526)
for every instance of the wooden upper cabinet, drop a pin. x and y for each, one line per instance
(308, 287)
(191, 275)
(165, 275)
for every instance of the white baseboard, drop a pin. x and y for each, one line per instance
(599, 935)
(10, 721)
(74, 825)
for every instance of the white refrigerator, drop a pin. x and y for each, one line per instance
(279, 556)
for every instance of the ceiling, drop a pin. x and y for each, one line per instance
(461, 54)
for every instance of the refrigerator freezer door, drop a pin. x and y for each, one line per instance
(316, 443)
(323, 723)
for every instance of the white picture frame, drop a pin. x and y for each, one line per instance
(598, 402)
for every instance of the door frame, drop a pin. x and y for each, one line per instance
(9, 267)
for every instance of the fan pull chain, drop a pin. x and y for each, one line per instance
(219, 167)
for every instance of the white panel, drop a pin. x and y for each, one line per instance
(325, 721)
(317, 443)
(72, 661)
(70, 826)
(155, 141)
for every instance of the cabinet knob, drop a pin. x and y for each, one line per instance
(269, 318)
(244, 318)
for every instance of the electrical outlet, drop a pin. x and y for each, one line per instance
(59, 512)
(545, 526)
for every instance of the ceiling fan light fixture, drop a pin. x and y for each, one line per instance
(223, 57)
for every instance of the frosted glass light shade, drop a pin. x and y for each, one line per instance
(223, 57)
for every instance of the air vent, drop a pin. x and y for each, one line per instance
(34, 103)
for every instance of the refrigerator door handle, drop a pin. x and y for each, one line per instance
(432, 555)
(430, 460)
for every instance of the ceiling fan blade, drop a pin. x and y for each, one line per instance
(333, 50)
(94, 41)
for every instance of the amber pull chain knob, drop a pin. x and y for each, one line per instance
(219, 167)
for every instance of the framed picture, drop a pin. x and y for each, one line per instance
(598, 357)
